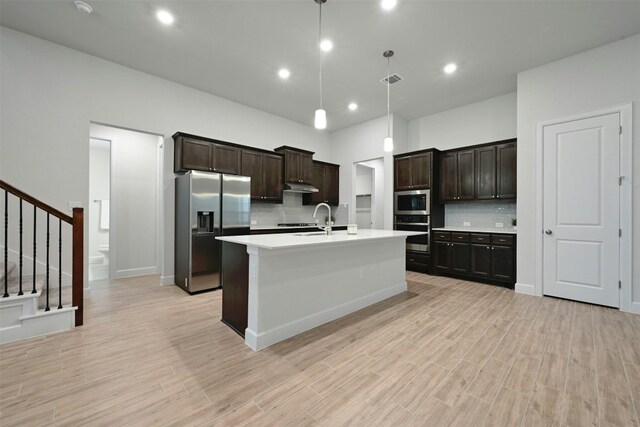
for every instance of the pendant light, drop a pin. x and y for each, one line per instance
(388, 141)
(320, 121)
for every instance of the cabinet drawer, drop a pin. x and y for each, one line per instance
(443, 236)
(459, 237)
(502, 239)
(480, 238)
(412, 258)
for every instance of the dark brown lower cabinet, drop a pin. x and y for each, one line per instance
(481, 260)
(459, 258)
(417, 261)
(235, 286)
(441, 254)
(486, 257)
(502, 263)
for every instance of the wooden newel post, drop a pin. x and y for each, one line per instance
(78, 263)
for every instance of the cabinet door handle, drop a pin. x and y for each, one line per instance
(492, 247)
(487, 247)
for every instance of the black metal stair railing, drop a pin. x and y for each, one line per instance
(76, 222)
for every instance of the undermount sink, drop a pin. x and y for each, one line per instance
(315, 233)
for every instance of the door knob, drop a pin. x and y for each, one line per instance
(548, 232)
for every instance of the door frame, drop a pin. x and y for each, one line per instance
(626, 199)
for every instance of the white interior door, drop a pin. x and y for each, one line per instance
(582, 210)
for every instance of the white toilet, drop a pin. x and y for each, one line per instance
(104, 249)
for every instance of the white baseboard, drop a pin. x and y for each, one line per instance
(635, 308)
(136, 272)
(168, 280)
(265, 339)
(522, 288)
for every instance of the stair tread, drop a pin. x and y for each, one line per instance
(27, 286)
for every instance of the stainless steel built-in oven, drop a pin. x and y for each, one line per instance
(412, 202)
(420, 223)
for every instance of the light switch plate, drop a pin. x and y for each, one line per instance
(499, 225)
(466, 224)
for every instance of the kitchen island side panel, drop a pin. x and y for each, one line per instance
(296, 289)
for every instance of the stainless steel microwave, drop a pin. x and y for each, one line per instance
(412, 202)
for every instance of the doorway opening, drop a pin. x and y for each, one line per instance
(368, 191)
(99, 210)
(125, 200)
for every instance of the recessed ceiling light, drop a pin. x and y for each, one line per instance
(450, 68)
(388, 4)
(83, 7)
(165, 17)
(353, 106)
(326, 45)
(284, 73)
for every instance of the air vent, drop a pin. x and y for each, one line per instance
(393, 78)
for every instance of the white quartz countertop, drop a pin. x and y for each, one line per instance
(291, 240)
(508, 230)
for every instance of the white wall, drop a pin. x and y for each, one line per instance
(492, 119)
(377, 199)
(589, 81)
(134, 200)
(50, 94)
(99, 176)
(364, 142)
(364, 179)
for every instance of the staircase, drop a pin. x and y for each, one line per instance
(24, 316)
(36, 302)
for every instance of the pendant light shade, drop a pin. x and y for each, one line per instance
(320, 121)
(388, 141)
(388, 144)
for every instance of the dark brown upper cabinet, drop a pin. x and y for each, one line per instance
(486, 173)
(413, 172)
(457, 175)
(197, 153)
(225, 159)
(506, 176)
(265, 170)
(326, 178)
(191, 154)
(298, 164)
(496, 171)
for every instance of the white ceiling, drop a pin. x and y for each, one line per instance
(234, 48)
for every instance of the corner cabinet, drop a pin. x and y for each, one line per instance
(326, 178)
(489, 257)
(196, 153)
(265, 170)
(412, 172)
(298, 165)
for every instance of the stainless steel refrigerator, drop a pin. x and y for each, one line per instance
(207, 205)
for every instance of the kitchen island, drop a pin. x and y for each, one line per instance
(291, 283)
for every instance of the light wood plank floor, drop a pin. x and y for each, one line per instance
(447, 352)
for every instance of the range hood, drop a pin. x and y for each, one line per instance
(292, 187)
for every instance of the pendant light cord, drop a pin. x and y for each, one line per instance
(320, 51)
(388, 103)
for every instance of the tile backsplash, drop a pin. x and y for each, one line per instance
(292, 210)
(479, 214)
